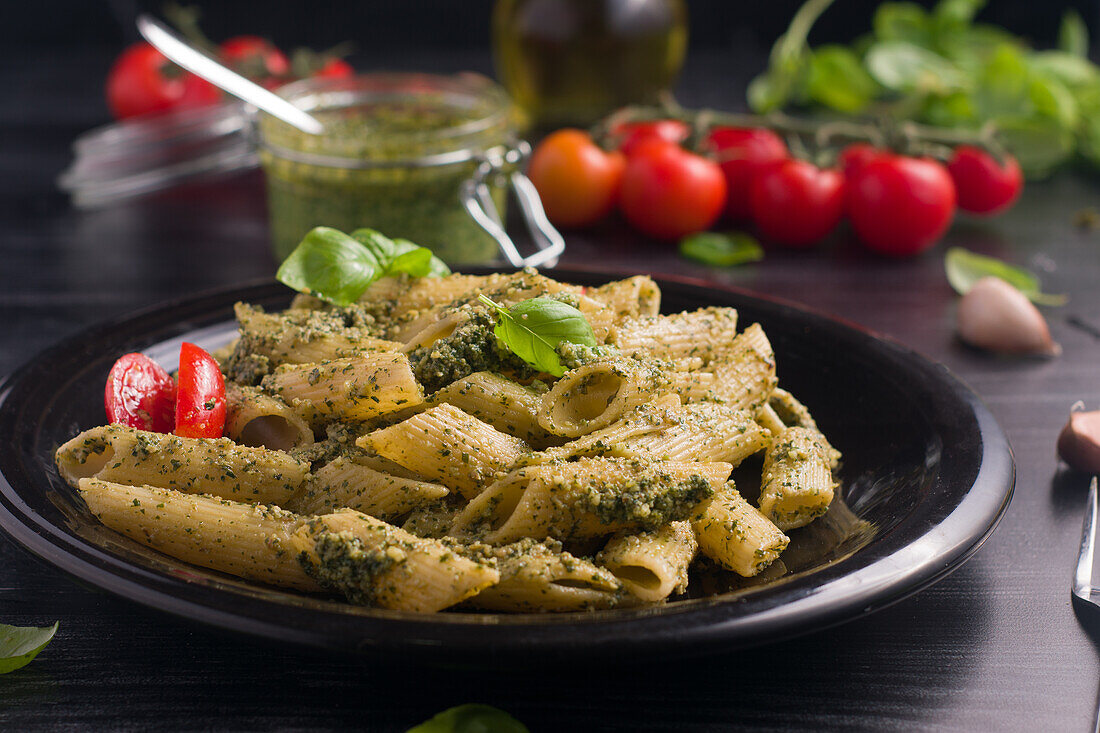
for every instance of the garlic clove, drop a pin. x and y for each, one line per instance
(997, 317)
(1079, 441)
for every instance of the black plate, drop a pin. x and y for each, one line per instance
(926, 469)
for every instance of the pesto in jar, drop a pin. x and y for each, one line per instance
(395, 152)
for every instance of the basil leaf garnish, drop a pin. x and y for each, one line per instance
(721, 250)
(471, 718)
(20, 644)
(339, 268)
(532, 330)
(964, 268)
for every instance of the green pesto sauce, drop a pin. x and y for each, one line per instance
(343, 564)
(648, 501)
(416, 203)
(473, 347)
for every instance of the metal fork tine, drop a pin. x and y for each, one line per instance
(1082, 578)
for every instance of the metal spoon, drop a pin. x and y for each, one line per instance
(200, 64)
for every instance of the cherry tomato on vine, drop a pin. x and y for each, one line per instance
(257, 58)
(796, 203)
(899, 205)
(855, 156)
(140, 394)
(669, 192)
(632, 134)
(742, 152)
(142, 80)
(576, 179)
(334, 68)
(984, 185)
(200, 400)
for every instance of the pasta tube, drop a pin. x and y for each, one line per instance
(540, 576)
(797, 484)
(247, 540)
(193, 465)
(377, 564)
(353, 389)
(255, 418)
(735, 534)
(344, 483)
(447, 445)
(652, 565)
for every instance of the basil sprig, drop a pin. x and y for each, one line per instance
(532, 329)
(339, 267)
(964, 268)
(471, 718)
(721, 250)
(20, 644)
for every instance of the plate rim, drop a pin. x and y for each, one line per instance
(710, 627)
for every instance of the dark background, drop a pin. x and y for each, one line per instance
(397, 24)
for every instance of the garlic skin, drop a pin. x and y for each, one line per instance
(997, 317)
(1079, 441)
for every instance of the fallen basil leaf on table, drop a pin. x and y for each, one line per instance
(20, 644)
(533, 328)
(721, 250)
(471, 718)
(964, 268)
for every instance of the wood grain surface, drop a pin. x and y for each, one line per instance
(995, 646)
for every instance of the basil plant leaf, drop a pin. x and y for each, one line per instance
(838, 80)
(471, 718)
(721, 250)
(964, 268)
(20, 644)
(1073, 34)
(330, 265)
(904, 21)
(532, 329)
(905, 67)
(1039, 144)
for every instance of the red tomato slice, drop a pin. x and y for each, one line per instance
(200, 402)
(140, 394)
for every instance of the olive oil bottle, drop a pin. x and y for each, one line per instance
(569, 62)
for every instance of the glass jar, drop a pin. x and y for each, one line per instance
(396, 151)
(570, 62)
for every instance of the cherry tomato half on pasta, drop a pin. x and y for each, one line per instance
(140, 394)
(200, 400)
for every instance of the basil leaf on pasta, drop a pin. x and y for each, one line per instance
(533, 328)
(470, 718)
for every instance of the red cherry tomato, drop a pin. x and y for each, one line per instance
(334, 68)
(200, 402)
(742, 152)
(796, 203)
(668, 192)
(143, 81)
(983, 185)
(255, 57)
(140, 394)
(899, 205)
(629, 135)
(857, 155)
(577, 181)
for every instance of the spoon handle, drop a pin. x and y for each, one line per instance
(200, 64)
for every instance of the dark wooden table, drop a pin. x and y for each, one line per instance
(995, 646)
